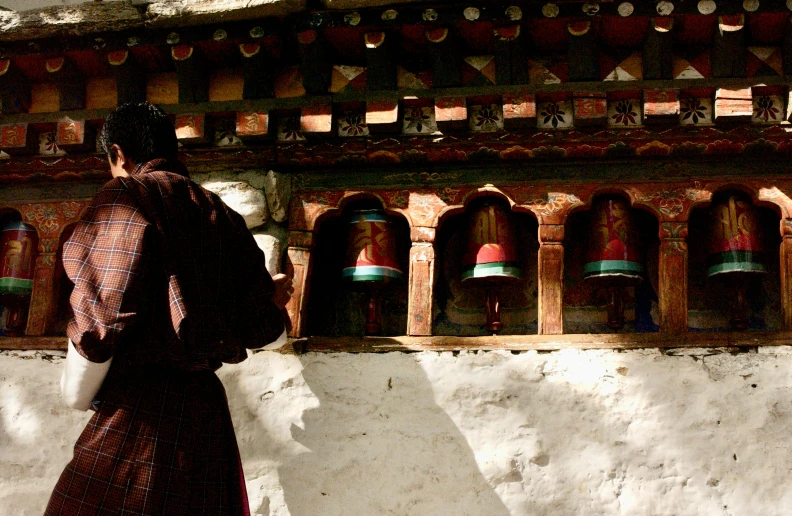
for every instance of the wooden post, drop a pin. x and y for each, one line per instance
(71, 83)
(510, 56)
(43, 302)
(786, 272)
(380, 66)
(192, 73)
(130, 78)
(421, 277)
(298, 267)
(728, 47)
(582, 52)
(551, 279)
(658, 57)
(316, 66)
(673, 277)
(445, 58)
(14, 89)
(258, 72)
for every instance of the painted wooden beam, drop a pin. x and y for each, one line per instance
(519, 110)
(130, 78)
(14, 89)
(445, 58)
(382, 115)
(258, 72)
(728, 47)
(70, 82)
(451, 112)
(590, 108)
(316, 66)
(18, 139)
(317, 118)
(733, 105)
(511, 56)
(191, 129)
(252, 125)
(298, 267)
(192, 72)
(660, 105)
(582, 52)
(658, 56)
(380, 65)
(74, 135)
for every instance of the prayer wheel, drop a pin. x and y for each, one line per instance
(371, 260)
(734, 251)
(613, 257)
(490, 258)
(17, 253)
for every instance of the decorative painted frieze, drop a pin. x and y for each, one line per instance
(554, 115)
(419, 120)
(486, 118)
(624, 113)
(695, 111)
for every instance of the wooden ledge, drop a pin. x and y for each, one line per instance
(746, 339)
(33, 343)
(542, 342)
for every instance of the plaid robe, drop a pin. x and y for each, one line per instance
(168, 282)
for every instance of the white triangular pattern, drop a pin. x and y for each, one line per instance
(619, 74)
(689, 73)
(762, 52)
(479, 62)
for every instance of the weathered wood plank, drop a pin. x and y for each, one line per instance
(316, 66)
(551, 279)
(673, 278)
(70, 82)
(658, 56)
(729, 340)
(445, 58)
(380, 65)
(192, 72)
(130, 79)
(421, 289)
(728, 47)
(14, 89)
(258, 72)
(582, 52)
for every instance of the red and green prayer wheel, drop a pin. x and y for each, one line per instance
(17, 253)
(735, 243)
(490, 258)
(371, 260)
(371, 249)
(490, 253)
(614, 248)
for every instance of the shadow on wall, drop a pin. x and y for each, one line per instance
(377, 443)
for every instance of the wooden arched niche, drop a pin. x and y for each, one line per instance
(339, 307)
(734, 300)
(587, 298)
(460, 305)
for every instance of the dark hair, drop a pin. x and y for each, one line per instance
(142, 130)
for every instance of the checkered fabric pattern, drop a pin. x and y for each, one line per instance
(168, 282)
(166, 273)
(160, 443)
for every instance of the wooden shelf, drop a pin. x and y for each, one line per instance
(58, 343)
(542, 342)
(487, 343)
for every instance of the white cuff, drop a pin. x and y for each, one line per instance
(81, 379)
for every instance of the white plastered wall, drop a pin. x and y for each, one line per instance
(487, 433)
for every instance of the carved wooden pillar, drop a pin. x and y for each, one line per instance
(43, 302)
(786, 272)
(673, 277)
(298, 268)
(551, 279)
(421, 290)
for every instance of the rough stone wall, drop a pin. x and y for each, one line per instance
(487, 433)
